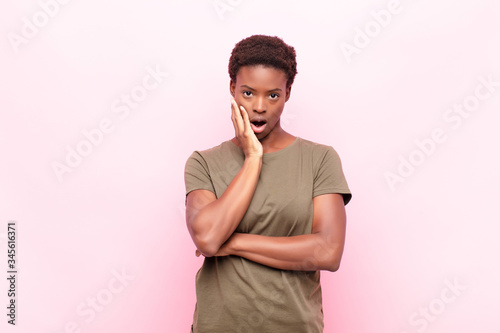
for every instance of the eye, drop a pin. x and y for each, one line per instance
(247, 93)
(274, 96)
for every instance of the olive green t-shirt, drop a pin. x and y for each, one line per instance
(238, 295)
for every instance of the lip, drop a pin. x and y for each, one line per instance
(259, 129)
(258, 119)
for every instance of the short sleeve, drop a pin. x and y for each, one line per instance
(197, 174)
(329, 177)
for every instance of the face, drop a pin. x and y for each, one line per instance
(262, 92)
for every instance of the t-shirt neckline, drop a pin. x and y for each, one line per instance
(273, 153)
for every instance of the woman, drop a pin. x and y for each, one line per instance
(265, 208)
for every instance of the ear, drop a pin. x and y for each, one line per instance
(288, 92)
(232, 87)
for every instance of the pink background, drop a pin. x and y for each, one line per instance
(428, 244)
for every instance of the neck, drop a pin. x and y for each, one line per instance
(275, 140)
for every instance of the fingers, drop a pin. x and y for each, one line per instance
(233, 116)
(243, 130)
(238, 124)
(241, 116)
(246, 120)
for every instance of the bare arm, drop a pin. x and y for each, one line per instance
(212, 221)
(320, 250)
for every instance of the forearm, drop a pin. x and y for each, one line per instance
(216, 222)
(304, 252)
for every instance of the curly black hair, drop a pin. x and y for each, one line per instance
(263, 50)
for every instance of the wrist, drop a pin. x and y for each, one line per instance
(253, 157)
(234, 243)
(253, 164)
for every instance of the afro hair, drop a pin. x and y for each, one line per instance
(263, 50)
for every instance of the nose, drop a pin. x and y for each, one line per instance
(260, 105)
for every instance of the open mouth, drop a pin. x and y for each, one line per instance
(258, 126)
(259, 123)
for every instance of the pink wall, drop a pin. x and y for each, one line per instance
(407, 92)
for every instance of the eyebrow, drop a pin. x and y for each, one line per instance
(250, 88)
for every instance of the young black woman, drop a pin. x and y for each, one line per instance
(265, 209)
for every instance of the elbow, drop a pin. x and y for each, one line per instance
(203, 241)
(328, 256)
(207, 247)
(204, 237)
(333, 267)
(333, 263)
(207, 251)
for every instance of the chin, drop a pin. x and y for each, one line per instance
(262, 136)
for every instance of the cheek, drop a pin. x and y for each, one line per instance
(246, 104)
(278, 110)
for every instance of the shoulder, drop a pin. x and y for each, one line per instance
(216, 157)
(318, 150)
(221, 148)
(216, 151)
(311, 144)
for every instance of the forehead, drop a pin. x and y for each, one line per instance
(261, 76)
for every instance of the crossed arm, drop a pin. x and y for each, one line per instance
(320, 250)
(212, 222)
